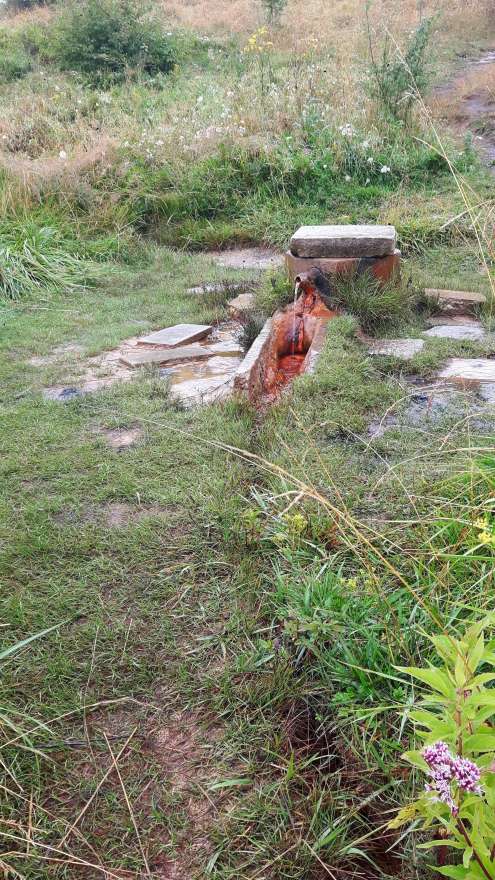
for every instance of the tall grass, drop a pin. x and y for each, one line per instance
(37, 258)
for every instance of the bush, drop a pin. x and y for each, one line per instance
(14, 60)
(109, 39)
(399, 78)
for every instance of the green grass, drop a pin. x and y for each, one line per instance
(246, 640)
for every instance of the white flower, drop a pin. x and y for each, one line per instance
(367, 181)
(370, 160)
(347, 178)
(63, 155)
(158, 143)
(200, 99)
(384, 169)
(325, 166)
(365, 145)
(347, 130)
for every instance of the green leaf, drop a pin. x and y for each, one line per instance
(18, 647)
(434, 678)
(229, 783)
(480, 742)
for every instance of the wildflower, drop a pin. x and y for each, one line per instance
(446, 769)
(347, 178)
(158, 143)
(370, 160)
(62, 155)
(347, 130)
(384, 169)
(200, 99)
(367, 181)
(365, 145)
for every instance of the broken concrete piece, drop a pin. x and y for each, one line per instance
(241, 304)
(382, 268)
(179, 334)
(400, 348)
(248, 258)
(456, 302)
(220, 287)
(343, 241)
(469, 370)
(147, 357)
(472, 330)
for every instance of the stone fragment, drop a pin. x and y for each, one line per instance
(220, 287)
(469, 370)
(471, 330)
(456, 302)
(64, 395)
(144, 357)
(343, 241)
(382, 268)
(400, 348)
(248, 258)
(179, 334)
(241, 304)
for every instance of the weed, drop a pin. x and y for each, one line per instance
(110, 40)
(374, 305)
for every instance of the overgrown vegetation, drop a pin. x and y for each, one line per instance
(239, 587)
(111, 39)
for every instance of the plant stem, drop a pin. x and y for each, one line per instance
(462, 829)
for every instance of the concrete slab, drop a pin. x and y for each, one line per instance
(472, 330)
(400, 348)
(458, 302)
(469, 370)
(179, 334)
(219, 287)
(343, 241)
(258, 259)
(148, 357)
(241, 304)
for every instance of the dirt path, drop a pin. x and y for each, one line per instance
(468, 102)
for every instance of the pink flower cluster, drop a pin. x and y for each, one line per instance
(445, 769)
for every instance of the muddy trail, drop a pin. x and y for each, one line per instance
(468, 102)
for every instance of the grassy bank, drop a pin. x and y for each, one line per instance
(234, 590)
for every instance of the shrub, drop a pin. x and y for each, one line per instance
(109, 39)
(273, 9)
(14, 60)
(398, 78)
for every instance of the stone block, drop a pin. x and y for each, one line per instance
(472, 330)
(241, 304)
(179, 334)
(383, 268)
(343, 241)
(399, 348)
(456, 302)
(469, 370)
(148, 357)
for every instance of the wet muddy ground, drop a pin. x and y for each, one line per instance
(471, 92)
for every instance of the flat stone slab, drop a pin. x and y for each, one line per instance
(179, 334)
(343, 241)
(472, 330)
(218, 287)
(241, 304)
(258, 259)
(469, 370)
(148, 357)
(456, 301)
(400, 348)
